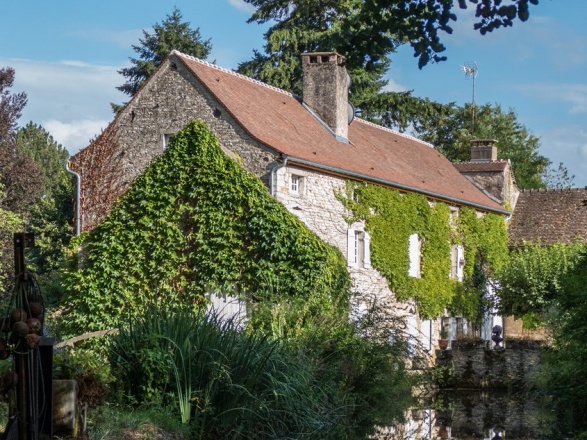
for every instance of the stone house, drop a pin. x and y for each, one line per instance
(492, 176)
(303, 149)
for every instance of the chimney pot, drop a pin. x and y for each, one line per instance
(483, 150)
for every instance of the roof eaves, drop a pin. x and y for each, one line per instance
(396, 185)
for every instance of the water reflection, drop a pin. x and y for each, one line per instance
(467, 416)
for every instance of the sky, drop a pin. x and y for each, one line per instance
(67, 54)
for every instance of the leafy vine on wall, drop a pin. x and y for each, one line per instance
(195, 222)
(391, 217)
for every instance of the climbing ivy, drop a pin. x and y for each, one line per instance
(194, 222)
(391, 216)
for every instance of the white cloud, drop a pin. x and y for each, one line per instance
(71, 99)
(393, 86)
(75, 134)
(242, 6)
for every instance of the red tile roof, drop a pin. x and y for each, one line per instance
(550, 216)
(279, 120)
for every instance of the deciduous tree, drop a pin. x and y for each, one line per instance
(367, 32)
(51, 215)
(452, 130)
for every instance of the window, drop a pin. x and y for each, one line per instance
(165, 138)
(295, 182)
(454, 213)
(414, 255)
(359, 243)
(457, 262)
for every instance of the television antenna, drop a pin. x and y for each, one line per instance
(471, 70)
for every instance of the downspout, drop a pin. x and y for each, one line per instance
(78, 180)
(272, 175)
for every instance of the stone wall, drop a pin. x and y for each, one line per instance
(481, 367)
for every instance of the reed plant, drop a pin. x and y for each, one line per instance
(225, 382)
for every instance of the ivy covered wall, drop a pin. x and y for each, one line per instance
(195, 221)
(391, 217)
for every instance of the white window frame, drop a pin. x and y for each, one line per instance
(358, 248)
(415, 256)
(296, 184)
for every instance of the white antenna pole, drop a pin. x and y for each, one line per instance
(470, 69)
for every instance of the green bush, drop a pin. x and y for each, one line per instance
(565, 363)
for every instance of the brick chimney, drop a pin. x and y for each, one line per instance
(483, 150)
(326, 86)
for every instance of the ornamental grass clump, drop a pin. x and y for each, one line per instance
(224, 382)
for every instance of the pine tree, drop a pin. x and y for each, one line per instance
(172, 33)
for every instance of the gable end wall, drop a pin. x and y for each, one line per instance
(164, 106)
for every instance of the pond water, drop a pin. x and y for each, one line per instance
(470, 415)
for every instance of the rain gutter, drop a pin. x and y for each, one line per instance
(272, 174)
(78, 180)
(396, 185)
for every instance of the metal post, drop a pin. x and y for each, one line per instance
(24, 364)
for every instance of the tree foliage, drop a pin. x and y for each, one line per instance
(9, 224)
(565, 364)
(172, 33)
(20, 182)
(532, 282)
(51, 215)
(18, 172)
(453, 131)
(374, 28)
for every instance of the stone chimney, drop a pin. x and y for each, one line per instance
(326, 86)
(483, 150)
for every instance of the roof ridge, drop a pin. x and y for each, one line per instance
(552, 190)
(225, 70)
(407, 136)
(479, 161)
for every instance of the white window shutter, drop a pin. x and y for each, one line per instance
(367, 250)
(460, 259)
(414, 255)
(351, 248)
